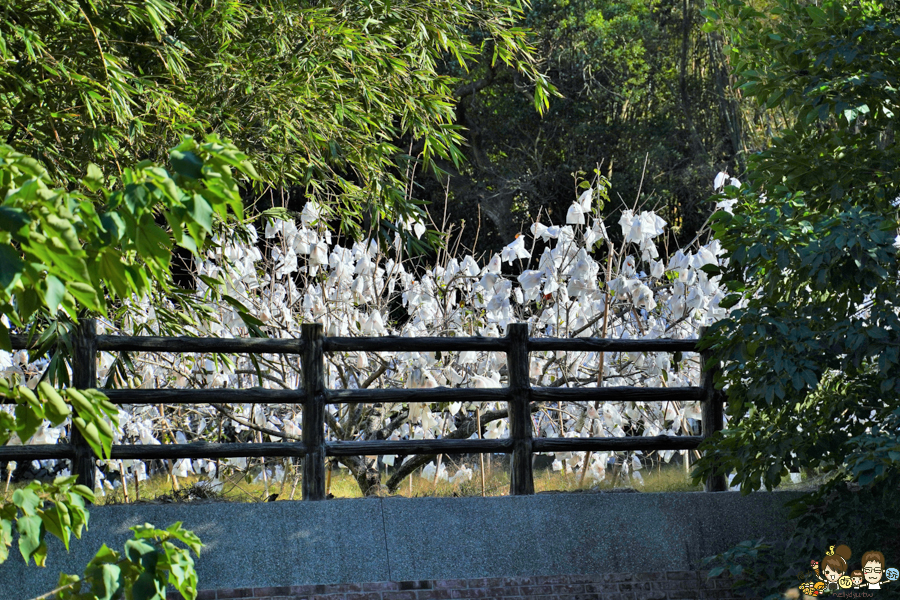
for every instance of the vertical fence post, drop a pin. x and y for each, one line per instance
(314, 411)
(713, 411)
(84, 376)
(521, 477)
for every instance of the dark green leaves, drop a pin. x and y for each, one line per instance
(811, 359)
(186, 164)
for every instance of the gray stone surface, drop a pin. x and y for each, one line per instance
(398, 539)
(553, 534)
(246, 545)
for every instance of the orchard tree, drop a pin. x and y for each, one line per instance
(812, 349)
(562, 278)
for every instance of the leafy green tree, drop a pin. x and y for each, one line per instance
(65, 251)
(812, 353)
(343, 100)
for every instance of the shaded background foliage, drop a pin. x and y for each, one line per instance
(643, 94)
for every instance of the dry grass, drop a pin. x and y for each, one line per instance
(239, 488)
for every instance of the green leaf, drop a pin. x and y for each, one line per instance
(5, 539)
(27, 500)
(138, 550)
(54, 294)
(56, 521)
(729, 301)
(31, 535)
(91, 435)
(115, 225)
(200, 211)
(186, 164)
(11, 268)
(152, 242)
(147, 587)
(13, 219)
(94, 179)
(28, 421)
(817, 14)
(111, 582)
(55, 408)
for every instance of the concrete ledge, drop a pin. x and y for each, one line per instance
(399, 539)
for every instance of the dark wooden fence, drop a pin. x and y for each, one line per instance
(313, 396)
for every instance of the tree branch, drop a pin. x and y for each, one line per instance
(464, 431)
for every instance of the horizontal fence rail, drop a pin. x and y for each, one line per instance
(123, 343)
(313, 448)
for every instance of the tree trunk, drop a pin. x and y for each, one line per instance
(686, 108)
(728, 106)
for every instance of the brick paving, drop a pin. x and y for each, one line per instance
(674, 585)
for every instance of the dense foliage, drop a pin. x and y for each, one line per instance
(344, 100)
(341, 100)
(812, 245)
(812, 347)
(643, 91)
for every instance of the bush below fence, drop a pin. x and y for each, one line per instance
(287, 545)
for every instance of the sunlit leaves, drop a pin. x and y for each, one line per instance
(39, 508)
(151, 560)
(320, 94)
(62, 251)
